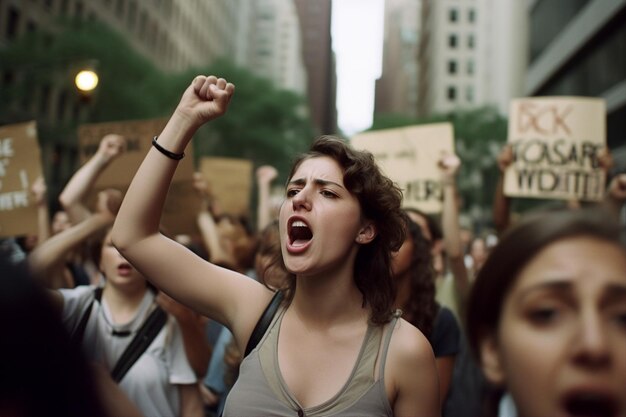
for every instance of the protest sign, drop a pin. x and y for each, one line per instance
(182, 204)
(409, 157)
(20, 166)
(138, 135)
(555, 142)
(230, 181)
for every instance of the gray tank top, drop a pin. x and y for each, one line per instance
(261, 391)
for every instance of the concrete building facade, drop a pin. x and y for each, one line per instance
(578, 47)
(315, 23)
(471, 53)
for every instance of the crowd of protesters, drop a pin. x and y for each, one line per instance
(379, 310)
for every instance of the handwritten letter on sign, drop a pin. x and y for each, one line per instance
(409, 157)
(555, 143)
(20, 165)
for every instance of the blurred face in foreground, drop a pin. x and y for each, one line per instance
(560, 347)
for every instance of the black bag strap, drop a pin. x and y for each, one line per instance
(264, 322)
(77, 335)
(144, 337)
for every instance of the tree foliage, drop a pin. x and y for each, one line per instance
(264, 124)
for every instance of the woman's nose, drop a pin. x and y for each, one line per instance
(302, 200)
(591, 344)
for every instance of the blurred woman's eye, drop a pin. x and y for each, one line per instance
(620, 319)
(328, 194)
(292, 191)
(543, 315)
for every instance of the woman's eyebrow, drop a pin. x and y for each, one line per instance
(326, 182)
(560, 285)
(317, 181)
(614, 292)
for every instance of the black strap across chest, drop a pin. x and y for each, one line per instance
(143, 338)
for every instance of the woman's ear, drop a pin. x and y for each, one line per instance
(366, 234)
(490, 360)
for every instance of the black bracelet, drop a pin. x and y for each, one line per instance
(171, 155)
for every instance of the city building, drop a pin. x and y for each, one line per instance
(315, 23)
(272, 45)
(578, 47)
(471, 53)
(173, 34)
(397, 89)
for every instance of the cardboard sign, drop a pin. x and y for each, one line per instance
(230, 181)
(409, 157)
(138, 136)
(182, 204)
(20, 165)
(555, 143)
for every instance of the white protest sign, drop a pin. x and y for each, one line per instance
(555, 142)
(409, 157)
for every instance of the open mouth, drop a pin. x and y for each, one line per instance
(586, 404)
(299, 233)
(124, 268)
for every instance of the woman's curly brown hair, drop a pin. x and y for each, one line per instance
(380, 200)
(421, 308)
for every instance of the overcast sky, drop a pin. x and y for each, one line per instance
(357, 32)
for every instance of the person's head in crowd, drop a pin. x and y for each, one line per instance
(374, 200)
(433, 233)
(116, 270)
(547, 315)
(414, 279)
(60, 222)
(478, 251)
(41, 373)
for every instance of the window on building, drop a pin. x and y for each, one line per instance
(471, 15)
(470, 67)
(64, 7)
(453, 15)
(471, 42)
(451, 93)
(61, 103)
(452, 67)
(143, 17)
(469, 94)
(452, 41)
(8, 77)
(78, 9)
(44, 99)
(132, 15)
(119, 8)
(13, 23)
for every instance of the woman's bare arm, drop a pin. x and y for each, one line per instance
(218, 293)
(449, 166)
(73, 195)
(413, 372)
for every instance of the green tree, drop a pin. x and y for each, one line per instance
(264, 124)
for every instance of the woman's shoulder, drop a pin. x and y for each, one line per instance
(411, 372)
(408, 343)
